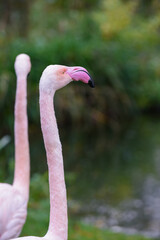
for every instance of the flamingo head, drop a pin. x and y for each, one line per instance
(22, 64)
(55, 77)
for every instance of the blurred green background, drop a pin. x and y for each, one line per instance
(110, 134)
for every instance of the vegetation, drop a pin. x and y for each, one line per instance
(118, 41)
(38, 215)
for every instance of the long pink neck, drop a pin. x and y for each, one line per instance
(22, 159)
(58, 225)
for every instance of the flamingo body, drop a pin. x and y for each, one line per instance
(14, 198)
(13, 211)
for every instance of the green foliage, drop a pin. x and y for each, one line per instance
(136, 42)
(117, 41)
(38, 217)
(80, 231)
(113, 39)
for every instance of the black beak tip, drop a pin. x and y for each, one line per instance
(91, 83)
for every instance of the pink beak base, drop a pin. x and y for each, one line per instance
(80, 74)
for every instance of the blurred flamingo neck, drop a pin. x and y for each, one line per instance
(58, 225)
(22, 159)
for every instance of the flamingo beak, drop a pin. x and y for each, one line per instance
(91, 83)
(80, 74)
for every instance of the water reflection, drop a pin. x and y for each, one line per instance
(112, 178)
(116, 182)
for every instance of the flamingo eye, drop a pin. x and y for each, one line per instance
(63, 71)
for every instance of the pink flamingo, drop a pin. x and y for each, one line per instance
(14, 198)
(53, 78)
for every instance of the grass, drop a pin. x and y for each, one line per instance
(80, 231)
(77, 231)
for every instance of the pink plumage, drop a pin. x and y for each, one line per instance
(14, 198)
(13, 212)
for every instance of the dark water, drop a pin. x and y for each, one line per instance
(113, 179)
